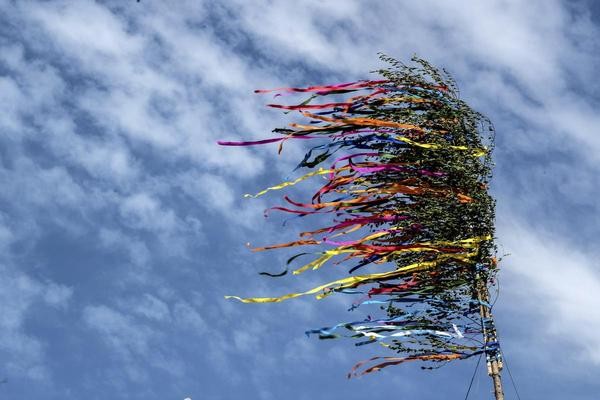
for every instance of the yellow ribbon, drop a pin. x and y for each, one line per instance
(427, 246)
(354, 281)
(403, 99)
(475, 152)
(320, 171)
(343, 283)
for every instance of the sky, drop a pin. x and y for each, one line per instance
(123, 224)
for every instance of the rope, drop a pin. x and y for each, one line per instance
(473, 377)
(511, 377)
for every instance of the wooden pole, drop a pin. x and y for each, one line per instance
(492, 353)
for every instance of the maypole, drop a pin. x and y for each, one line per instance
(493, 357)
(406, 196)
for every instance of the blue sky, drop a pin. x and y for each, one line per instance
(122, 224)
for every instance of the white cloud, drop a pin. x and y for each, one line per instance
(11, 98)
(211, 189)
(189, 319)
(137, 251)
(23, 352)
(57, 295)
(150, 307)
(139, 331)
(85, 27)
(130, 81)
(143, 211)
(121, 333)
(554, 284)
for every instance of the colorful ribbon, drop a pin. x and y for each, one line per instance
(409, 191)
